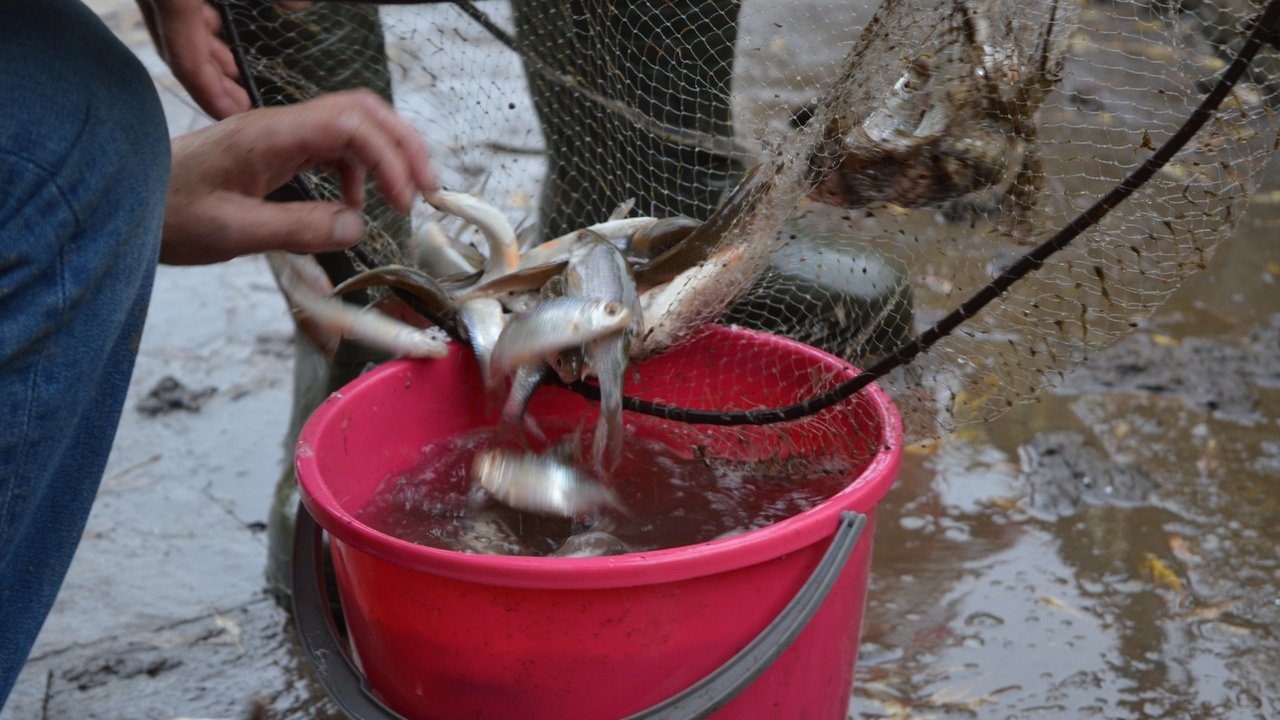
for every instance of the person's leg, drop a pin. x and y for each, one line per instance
(329, 47)
(670, 61)
(84, 167)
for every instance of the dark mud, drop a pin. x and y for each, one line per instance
(239, 663)
(1221, 377)
(1064, 474)
(169, 394)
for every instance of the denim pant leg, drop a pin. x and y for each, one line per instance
(84, 167)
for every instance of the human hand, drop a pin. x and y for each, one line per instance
(221, 173)
(186, 34)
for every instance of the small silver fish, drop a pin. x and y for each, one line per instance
(541, 484)
(608, 360)
(653, 240)
(326, 319)
(504, 249)
(438, 255)
(594, 543)
(520, 281)
(560, 248)
(599, 270)
(567, 363)
(526, 380)
(551, 326)
(482, 321)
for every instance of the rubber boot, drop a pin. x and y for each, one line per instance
(827, 290)
(672, 63)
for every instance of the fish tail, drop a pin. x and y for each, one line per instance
(609, 359)
(526, 381)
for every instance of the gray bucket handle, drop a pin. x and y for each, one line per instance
(350, 690)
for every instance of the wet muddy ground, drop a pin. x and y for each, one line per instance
(1111, 551)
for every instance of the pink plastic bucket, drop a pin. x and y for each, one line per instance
(443, 635)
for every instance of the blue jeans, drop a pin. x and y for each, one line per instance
(84, 170)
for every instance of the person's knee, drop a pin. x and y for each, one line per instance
(78, 103)
(84, 155)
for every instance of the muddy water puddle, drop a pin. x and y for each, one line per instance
(1111, 551)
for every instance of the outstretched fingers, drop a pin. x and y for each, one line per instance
(222, 173)
(357, 133)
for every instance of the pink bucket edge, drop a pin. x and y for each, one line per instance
(629, 570)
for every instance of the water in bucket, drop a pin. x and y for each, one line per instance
(441, 635)
(670, 498)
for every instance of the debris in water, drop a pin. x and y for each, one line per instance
(1178, 546)
(1066, 474)
(1160, 574)
(594, 543)
(1211, 612)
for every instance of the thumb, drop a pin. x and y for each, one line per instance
(301, 227)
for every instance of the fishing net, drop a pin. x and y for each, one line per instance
(860, 171)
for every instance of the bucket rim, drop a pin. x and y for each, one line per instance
(614, 571)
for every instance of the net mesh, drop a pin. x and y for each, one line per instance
(860, 170)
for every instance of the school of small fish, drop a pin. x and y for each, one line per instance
(578, 307)
(584, 305)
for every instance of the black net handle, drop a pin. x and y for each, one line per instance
(348, 687)
(1263, 31)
